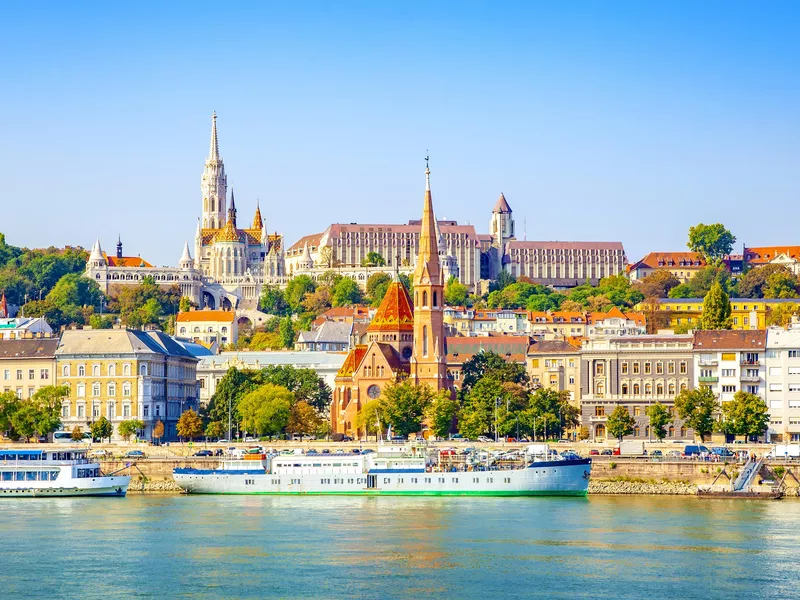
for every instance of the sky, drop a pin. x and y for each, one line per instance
(599, 121)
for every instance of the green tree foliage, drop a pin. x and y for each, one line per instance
(216, 429)
(377, 284)
(130, 427)
(657, 285)
(549, 412)
(9, 403)
(620, 423)
(781, 315)
(77, 434)
(782, 285)
(7, 253)
(525, 295)
(145, 304)
(230, 390)
(716, 309)
(71, 300)
(346, 292)
(190, 425)
(441, 413)
(404, 405)
(659, 418)
(317, 302)
(370, 419)
(186, 304)
(296, 290)
(746, 415)
(40, 414)
(373, 259)
(266, 409)
(455, 292)
(273, 301)
(697, 408)
(102, 429)
(504, 279)
(489, 365)
(409, 285)
(713, 242)
(702, 281)
(491, 400)
(615, 290)
(303, 418)
(33, 273)
(101, 322)
(287, 333)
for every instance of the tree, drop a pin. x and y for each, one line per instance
(781, 314)
(583, 434)
(186, 304)
(657, 284)
(620, 423)
(370, 418)
(696, 408)
(296, 290)
(101, 322)
(317, 302)
(346, 292)
(287, 333)
(373, 259)
(753, 282)
(492, 406)
(377, 284)
(455, 292)
(305, 384)
(325, 257)
(781, 284)
(549, 412)
(303, 418)
(272, 301)
(158, 430)
(77, 434)
(489, 364)
(47, 406)
(216, 429)
(130, 427)
(23, 421)
(190, 425)
(9, 402)
(441, 413)
(713, 242)
(746, 415)
(716, 309)
(504, 279)
(659, 418)
(404, 405)
(102, 429)
(265, 410)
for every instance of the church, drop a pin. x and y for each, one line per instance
(404, 339)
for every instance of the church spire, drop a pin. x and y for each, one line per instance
(257, 221)
(232, 210)
(428, 255)
(214, 152)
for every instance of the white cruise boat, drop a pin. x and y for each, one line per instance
(55, 473)
(396, 470)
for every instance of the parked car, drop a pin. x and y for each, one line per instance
(135, 454)
(607, 452)
(356, 451)
(656, 454)
(457, 437)
(674, 454)
(485, 440)
(100, 454)
(313, 452)
(695, 450)
(204, 453)
(594, 452)
(326, 451)
(563, 441)
(721, 452)
(367, 451)
(347, 438)
(570, 455)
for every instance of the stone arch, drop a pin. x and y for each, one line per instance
(225, 304)
(209, 301)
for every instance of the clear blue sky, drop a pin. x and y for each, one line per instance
(598, 120)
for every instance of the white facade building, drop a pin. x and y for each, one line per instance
(783, 383)
(730, 361)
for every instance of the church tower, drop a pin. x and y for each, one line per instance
(429, 357)
(214, 184)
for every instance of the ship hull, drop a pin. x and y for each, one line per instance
(559, 478)
(103, 486)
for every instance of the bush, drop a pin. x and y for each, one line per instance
(612, 465)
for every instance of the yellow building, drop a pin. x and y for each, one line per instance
(124, 374)
(747, 313)
(555, 364)
(27, 365)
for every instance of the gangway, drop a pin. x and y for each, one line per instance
(749, 472)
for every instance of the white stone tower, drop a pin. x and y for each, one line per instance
(501, 228)
(214, 184)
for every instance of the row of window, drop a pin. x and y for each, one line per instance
(29, 475)
(111, 389)
(647, 368)
(648, 389)
(635, 411)
(111, 410)
(43, 374)
(600, 431)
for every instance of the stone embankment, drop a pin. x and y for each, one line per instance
(634, 486)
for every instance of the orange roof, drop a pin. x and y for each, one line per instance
(396, 313)
(312, 240)
(765, 254)
(559, 316)
(351, 362)
(126, 261)
(616, 313)
(662, 260)
(206, 316)
(346, 311)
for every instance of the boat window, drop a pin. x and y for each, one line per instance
(30, 476)
(8, 476)
(19, 476)
(53, 475)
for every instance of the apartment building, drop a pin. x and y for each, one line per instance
(555, 364)
(26, 365)
(730, 361)
(783, 383)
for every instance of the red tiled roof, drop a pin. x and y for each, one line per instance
(351, 362)
(730, 340)
(126, 261)
(661, 260)
(517, 244)
(396, 312)
(765, 254)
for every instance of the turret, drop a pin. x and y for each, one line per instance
(186, 261)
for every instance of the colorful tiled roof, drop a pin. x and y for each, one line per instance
(354, 358)
(765, 254)
(730, 340)
(126, 261)
(396, 312)
(661, 260)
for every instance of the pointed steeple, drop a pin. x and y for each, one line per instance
(428, 256)
(257, 221)
(502, 205)
(119, 246)
(97, 252)
(186, 261)
(214, 152)
(232, 210)
(198, 233)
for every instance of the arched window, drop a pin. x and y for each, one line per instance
(434, 299)
(683, 386)
(112, 370)
(636, 389)
(81, 390)
(648, 388)
(660, 389)
(600, 431)
(671, 389)
(624, 389)
(95, 370)
(424, 298)
(81, 371)
(224, 330)
(96, 389)
(424, 335)
(143, 370)
(671, 431)
(183, 330)
(126, 369)
(65, 371)
(636, 431)
(683, 432)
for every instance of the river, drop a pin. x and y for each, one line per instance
(151, 546)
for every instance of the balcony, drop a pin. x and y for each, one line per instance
(750, 379)
(708, 362)
(749, 363)
(708, 379)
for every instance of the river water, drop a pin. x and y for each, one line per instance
(150, 546)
